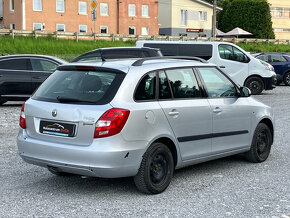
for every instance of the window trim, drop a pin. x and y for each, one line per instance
(83, 25)
(133, 27)
(147, 31)
(134, 10)
(34, 9)
(60, 24)
(40, 28)
(104, 3)
(10, 6)
(83, 13)
(145, 16)
(106, 27)
(63, 6)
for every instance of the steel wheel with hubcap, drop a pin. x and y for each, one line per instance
(156, 169)
(287, 78)
(255, 84)
(261, 144)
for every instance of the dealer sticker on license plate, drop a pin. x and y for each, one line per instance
(56, 128)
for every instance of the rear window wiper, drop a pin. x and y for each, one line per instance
(67, 100)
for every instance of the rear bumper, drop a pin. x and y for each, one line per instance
(270, 82)
(103, 158)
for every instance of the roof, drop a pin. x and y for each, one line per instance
(34, 55)
(208, 4)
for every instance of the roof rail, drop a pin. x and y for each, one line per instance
(141, 61)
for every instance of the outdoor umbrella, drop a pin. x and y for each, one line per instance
(238, 32)
(219, 33)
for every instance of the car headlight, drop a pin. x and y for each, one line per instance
(267, 66)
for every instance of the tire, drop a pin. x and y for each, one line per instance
(261, 144)
(255, 84)
(286, 79)
(156, 170)
(54, 171)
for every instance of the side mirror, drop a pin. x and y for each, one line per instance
(245, 92)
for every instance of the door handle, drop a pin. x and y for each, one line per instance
(36, 77)
(173, 113)
(222, 66)
(217, 110)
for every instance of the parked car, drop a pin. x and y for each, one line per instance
(281, 64)
(117, 53)
(142, 118)
(20, 75)
(241, 67)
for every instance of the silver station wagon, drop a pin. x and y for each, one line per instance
(141, 118)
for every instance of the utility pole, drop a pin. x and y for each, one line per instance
(213, 31)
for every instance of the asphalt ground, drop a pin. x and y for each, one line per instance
(228, 187)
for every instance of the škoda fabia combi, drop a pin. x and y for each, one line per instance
(141, 118)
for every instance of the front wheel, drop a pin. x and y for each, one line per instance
(156, 169)
(255, 84)
(287, 79)
(261, 144)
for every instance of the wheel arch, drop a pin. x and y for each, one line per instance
(171, 145)
(269, 123)
(255, 75)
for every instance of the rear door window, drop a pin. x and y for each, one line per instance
(43, 65)
(93, 87)
(15, 64)
(277, 58)
(183, 83)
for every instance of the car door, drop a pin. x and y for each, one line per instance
(15, 78)
(188, 113)
(278, 62)
(231, 114)
(41, 69)
(233, 61)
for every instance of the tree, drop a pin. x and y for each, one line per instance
(251, 15)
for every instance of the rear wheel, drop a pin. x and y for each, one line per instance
(156, 169)
(287, 78)
(261, 144)
(255, 84)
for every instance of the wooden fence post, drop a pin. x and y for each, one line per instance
(77, 36)
(56, 35)
(12, 33)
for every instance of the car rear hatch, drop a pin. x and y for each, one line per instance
(68, 104)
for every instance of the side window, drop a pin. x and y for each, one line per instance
(229, 52)
(263, 58)
(278, 58)
(15, 64)
(146, 87)
(164, 89)
(43, 65)
(217, 84)
(183, 83)
(90, 57)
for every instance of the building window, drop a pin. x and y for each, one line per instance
(104, 9)
(202, 15)
(280, 12)
(145, 11)
(83, 8)
(132, 30)
(11, 5)
(38, 26)
(83, 28)
(60, 6)
(183, 17)
(37, 5)
(104, 29)
(145, 31)
(12, 26)
(132, 10)
(60, 27)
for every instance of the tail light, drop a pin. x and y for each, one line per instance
(22, 122)
(111, 122)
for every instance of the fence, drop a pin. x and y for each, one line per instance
(113, 37)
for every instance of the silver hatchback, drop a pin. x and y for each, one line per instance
(142, 118)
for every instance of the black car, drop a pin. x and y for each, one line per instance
(117, 53)
(20, 75)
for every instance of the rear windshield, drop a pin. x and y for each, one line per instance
(194, 50)
(80, 87)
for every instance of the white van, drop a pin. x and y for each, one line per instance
(237, 63)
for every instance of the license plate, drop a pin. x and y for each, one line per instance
(56, 128)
